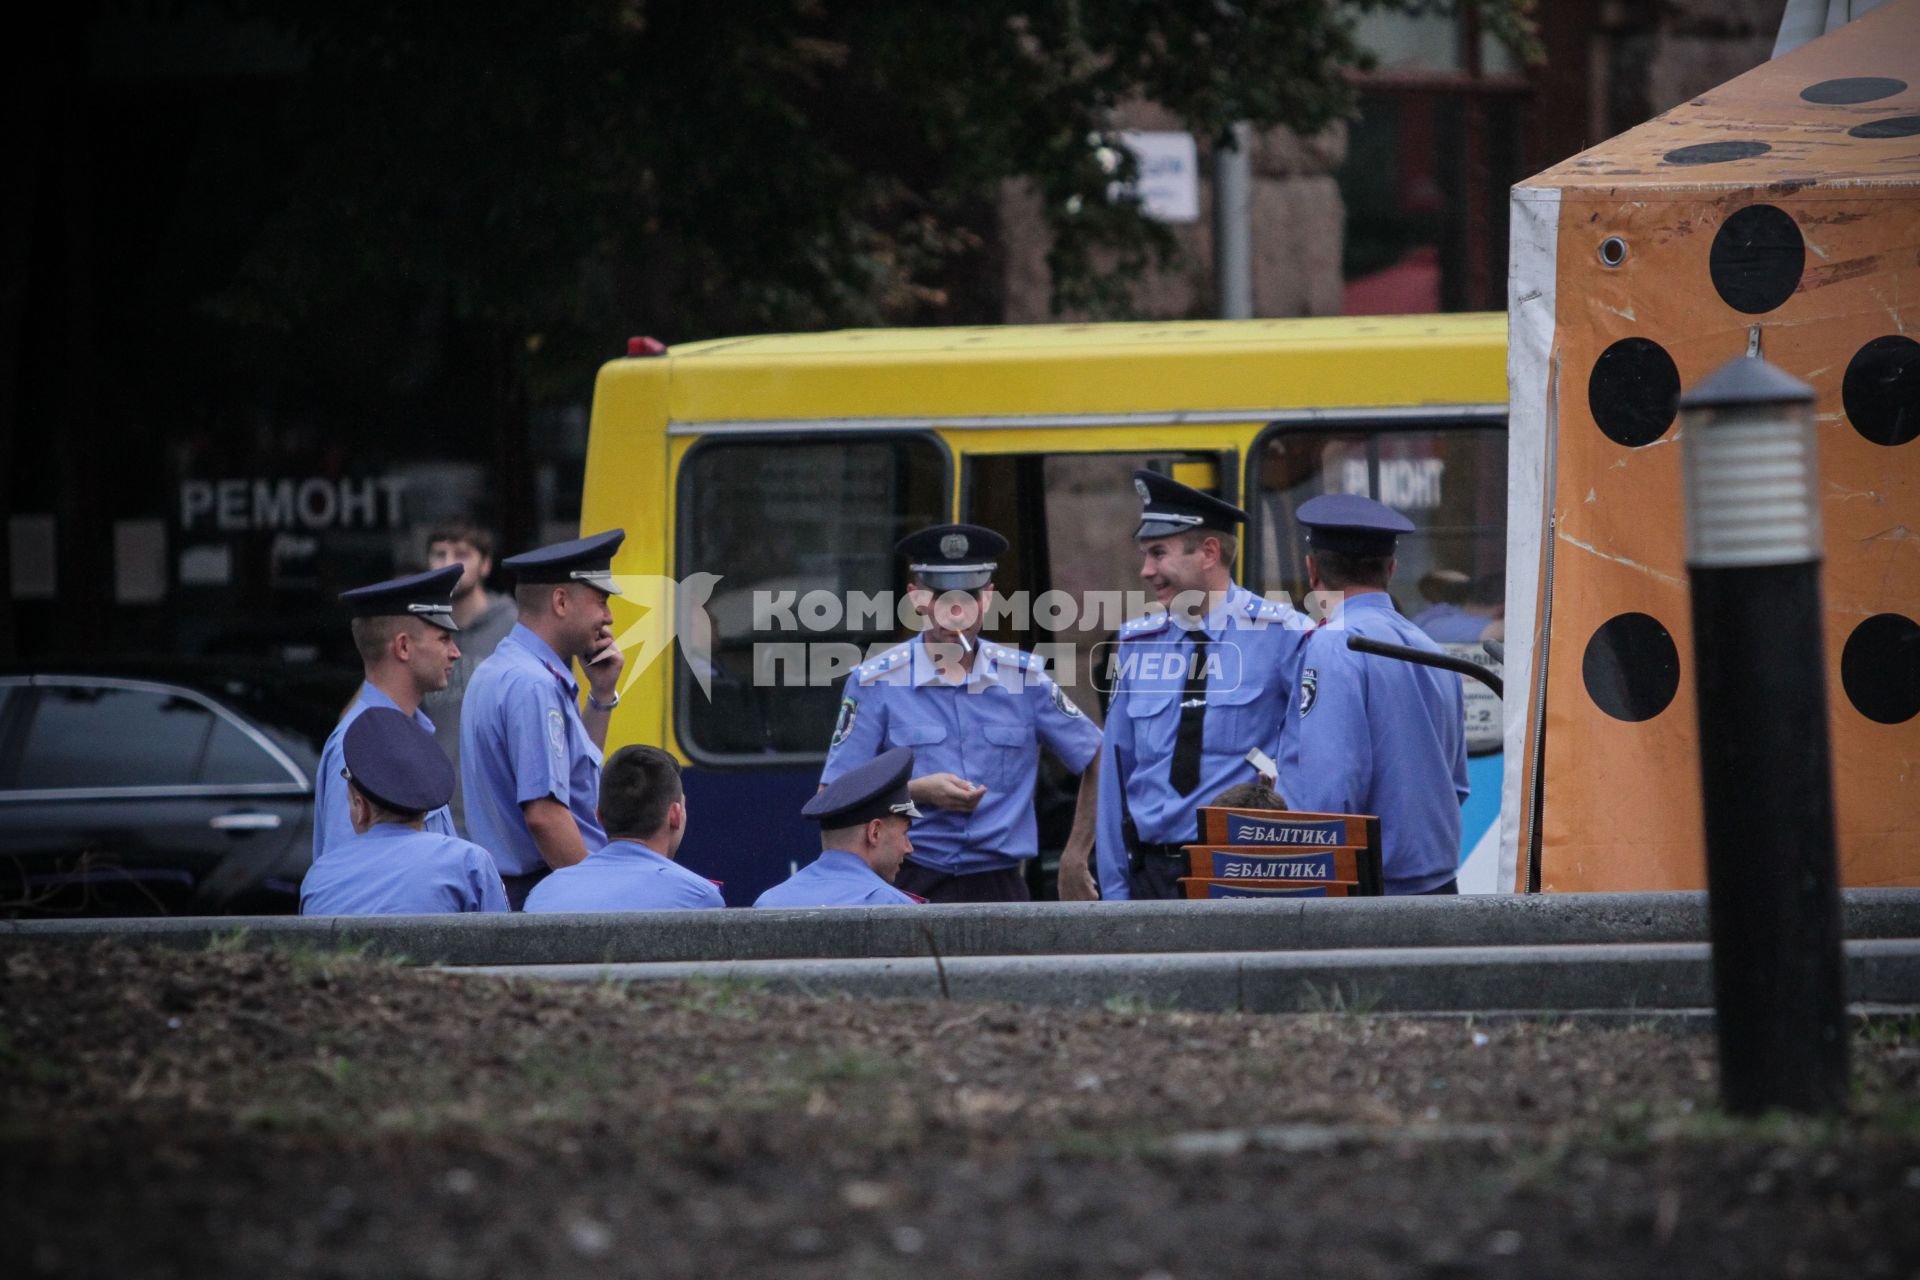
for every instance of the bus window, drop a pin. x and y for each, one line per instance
(1451, 481)
(778, 519)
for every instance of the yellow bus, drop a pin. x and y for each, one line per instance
(772, 475)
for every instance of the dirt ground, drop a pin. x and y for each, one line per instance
(243, 1113)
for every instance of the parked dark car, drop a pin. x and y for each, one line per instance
(174, 788)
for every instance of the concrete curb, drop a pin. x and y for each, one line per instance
(1649, 977)
(1034, 929)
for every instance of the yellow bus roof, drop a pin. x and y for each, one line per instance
(1082, 369)
(1186, 334)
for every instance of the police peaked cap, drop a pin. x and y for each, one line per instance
(588, 560)
(877, 789)
(427, 596)
(953, 557)
(1349, 523)
(396, 763)
(1169, 507)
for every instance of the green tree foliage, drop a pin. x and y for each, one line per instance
(565, 172)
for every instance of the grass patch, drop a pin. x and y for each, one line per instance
(226, 942)
(725, 995)
(35, 1069)
(1104, 1144)
(307, 961)
(1340, 998)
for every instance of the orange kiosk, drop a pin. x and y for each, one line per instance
(1778, 214)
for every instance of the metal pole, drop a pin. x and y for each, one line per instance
(1753, 557)
(1232, 237)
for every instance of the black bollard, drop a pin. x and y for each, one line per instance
(1753, 557)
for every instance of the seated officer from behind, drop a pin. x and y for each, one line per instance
(1248, 795)
(529, 753)
(863, 821)
(1194, 688)
(645, 813)
(976, 714)
(404, 630)
(392, 865)
(1371, 734)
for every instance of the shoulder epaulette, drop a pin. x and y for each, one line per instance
(1145, 625)
(873, 668)
(1017, 657)
(1265, 610)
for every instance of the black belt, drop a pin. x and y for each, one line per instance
(1139, 851)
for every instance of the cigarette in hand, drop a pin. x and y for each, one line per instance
(964, 646)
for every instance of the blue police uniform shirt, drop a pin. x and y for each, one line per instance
(834, 879)
(332, 822)
(1378, 736)
(521, 739)
(624, 875)
(1450, 624)
(1255, 649)
(987, 730)
(392, 870)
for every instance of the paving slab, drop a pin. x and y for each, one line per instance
(1650, 977)
(1024, 929)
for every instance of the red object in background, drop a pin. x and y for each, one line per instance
(644, 346)
(1410, 286)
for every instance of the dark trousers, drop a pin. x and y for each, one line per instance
(1009, 884)
(1156, 875)
(518, 887)
(1451, 886)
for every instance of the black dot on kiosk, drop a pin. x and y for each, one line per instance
(1634, 391)
(1891, 127)
(1716, 152)
(1881, 390)
(1852, 89)
(1880, 668)
(1756, 259)
(1631, 667)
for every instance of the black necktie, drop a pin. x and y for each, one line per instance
(1185, 774)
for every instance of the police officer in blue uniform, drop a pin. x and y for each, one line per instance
(863, 817)
(644, 810)
(393, 865)
(1369, 734)
(976, 714)
(1194, 689)
(404, 631)
(530, 753)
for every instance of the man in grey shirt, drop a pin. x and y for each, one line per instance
(484, 619)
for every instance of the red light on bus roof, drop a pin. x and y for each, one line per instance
(644, 346)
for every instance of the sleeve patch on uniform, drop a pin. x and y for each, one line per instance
(1062, 702)
(849, 708)
(1309, 689)
(557, 731)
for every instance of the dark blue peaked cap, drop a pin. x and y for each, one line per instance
(396, 762)
(1349, 523)
(876, 789)
(1169, 507)
(427, 596)
(953, 557)
(588, 560)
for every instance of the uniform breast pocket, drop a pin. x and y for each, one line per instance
(1240, 718)
(1010, 755)
(1152, 719)
(929, 743)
